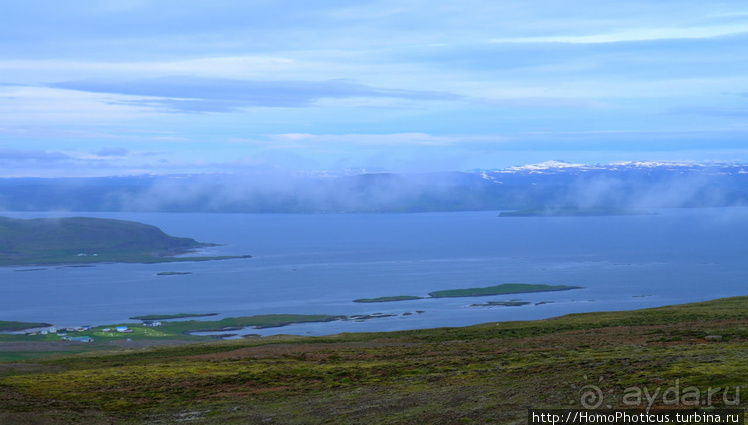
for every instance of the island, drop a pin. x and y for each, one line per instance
(172, 316)
(83, 240)
(503, 289)
(172, 273)
(501, 304)
(387, 299)
(572, 212)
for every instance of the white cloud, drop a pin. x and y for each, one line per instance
(640, 34)
(393, 139)
(218, 66)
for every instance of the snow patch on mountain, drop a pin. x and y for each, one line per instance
(555, 166)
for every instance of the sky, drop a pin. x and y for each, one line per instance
(98, 87)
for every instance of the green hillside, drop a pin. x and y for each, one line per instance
(87, 240)
(490, 373)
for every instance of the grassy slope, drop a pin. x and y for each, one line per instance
(478, 374)
(60, 240)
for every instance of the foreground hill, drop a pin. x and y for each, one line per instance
(87, 240)
(489, 373)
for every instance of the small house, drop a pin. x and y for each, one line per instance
(121, 329)
(151, 323)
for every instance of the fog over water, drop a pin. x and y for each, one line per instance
(319, 263)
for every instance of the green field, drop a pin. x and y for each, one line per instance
(172, 330)
(490, 373)
(233, 323)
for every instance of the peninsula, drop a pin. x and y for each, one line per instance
(76, 240)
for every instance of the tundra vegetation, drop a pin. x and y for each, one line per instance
(489, 373)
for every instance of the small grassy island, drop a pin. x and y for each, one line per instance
(172, 273)
(172, 316)
(503, 289)
(501, 304)
(571, 212)
(81, 240)
(387, 299)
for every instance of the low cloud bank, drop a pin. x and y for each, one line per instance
(274, 192)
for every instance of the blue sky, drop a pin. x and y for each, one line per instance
(165, 86)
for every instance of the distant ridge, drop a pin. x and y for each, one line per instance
(633, 185)
(86, 240)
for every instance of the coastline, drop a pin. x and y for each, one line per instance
(90, 261)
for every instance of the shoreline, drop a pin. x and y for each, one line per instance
(154, 260)
(46, 347)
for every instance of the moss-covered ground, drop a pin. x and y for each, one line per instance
(490, 373)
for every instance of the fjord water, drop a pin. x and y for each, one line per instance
(319, 263)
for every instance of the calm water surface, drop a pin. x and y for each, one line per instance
(320, 263)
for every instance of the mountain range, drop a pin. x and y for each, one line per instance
(552, 184)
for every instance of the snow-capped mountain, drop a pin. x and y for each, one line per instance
(555, 167)
(636, 184)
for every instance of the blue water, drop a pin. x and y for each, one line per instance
(319, 263)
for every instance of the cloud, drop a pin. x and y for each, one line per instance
(712, 111)
(301, 140)
(109, 152)
(640, 34)
(14, 156)
(200, 94)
